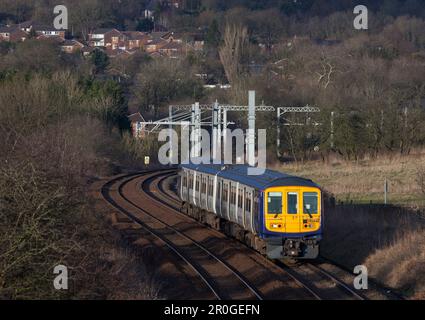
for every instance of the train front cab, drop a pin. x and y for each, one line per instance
(292, 222)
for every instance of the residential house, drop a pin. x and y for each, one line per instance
(174, 49)
(155, 44)
(12, 34)
(137, 126)
(135, 39)
(42, 30)
(71, 46)
(109, 37)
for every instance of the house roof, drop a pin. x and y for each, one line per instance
(104, 30)
(135, 35)
(37, 26)
(6, 29)
(136, 117)
(68, 43)
(160, 34)
(157, 41)
(239, 173)
(10, 29)
(51, 38)
(172, 45)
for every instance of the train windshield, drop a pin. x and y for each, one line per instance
(310, 202)
(274, 203)
(292, 202)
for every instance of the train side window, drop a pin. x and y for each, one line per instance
(197, 184)
(274, 203)
(256, 202)
(190, 180)
(232, 195)
(248, 203)
(225, 192)
(204, 186)
(240, 198)
(210, 186)
(310, 201)
(292, 203)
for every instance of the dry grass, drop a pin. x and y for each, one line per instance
(401, 265)
(363, 181)
(388, 240)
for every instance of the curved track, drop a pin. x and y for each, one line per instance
(320, 283)
(225, 267)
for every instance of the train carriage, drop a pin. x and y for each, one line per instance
(277, 214)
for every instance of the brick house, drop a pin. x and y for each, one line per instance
(108, 38)
(12, 34)
(71, 46)
(137, 127)
(41, 30)
(175, 49)
(154, 45)
(135, 39)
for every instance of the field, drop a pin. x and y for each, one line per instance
(362, 182)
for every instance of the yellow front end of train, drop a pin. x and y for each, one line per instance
(293, 210)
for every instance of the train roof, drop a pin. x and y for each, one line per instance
(239, 173)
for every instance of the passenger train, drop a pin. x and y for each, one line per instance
(278, 215)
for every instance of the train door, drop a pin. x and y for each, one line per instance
(225, 200)
(248, 210)
(218, 196)
(240, 206)
(190, 187)
(232, 203)
(203, 192)
(292, 211)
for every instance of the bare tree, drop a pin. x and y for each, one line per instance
(231, 53)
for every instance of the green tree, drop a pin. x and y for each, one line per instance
(100, 60)
(213, 36)
(145, 25)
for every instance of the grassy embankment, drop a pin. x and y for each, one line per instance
(389, 240)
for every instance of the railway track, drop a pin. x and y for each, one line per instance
(320, 283)
(181, 245)
(224, 266)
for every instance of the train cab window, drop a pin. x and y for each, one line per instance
(310, 201)
(292, 203)
(274, 203)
